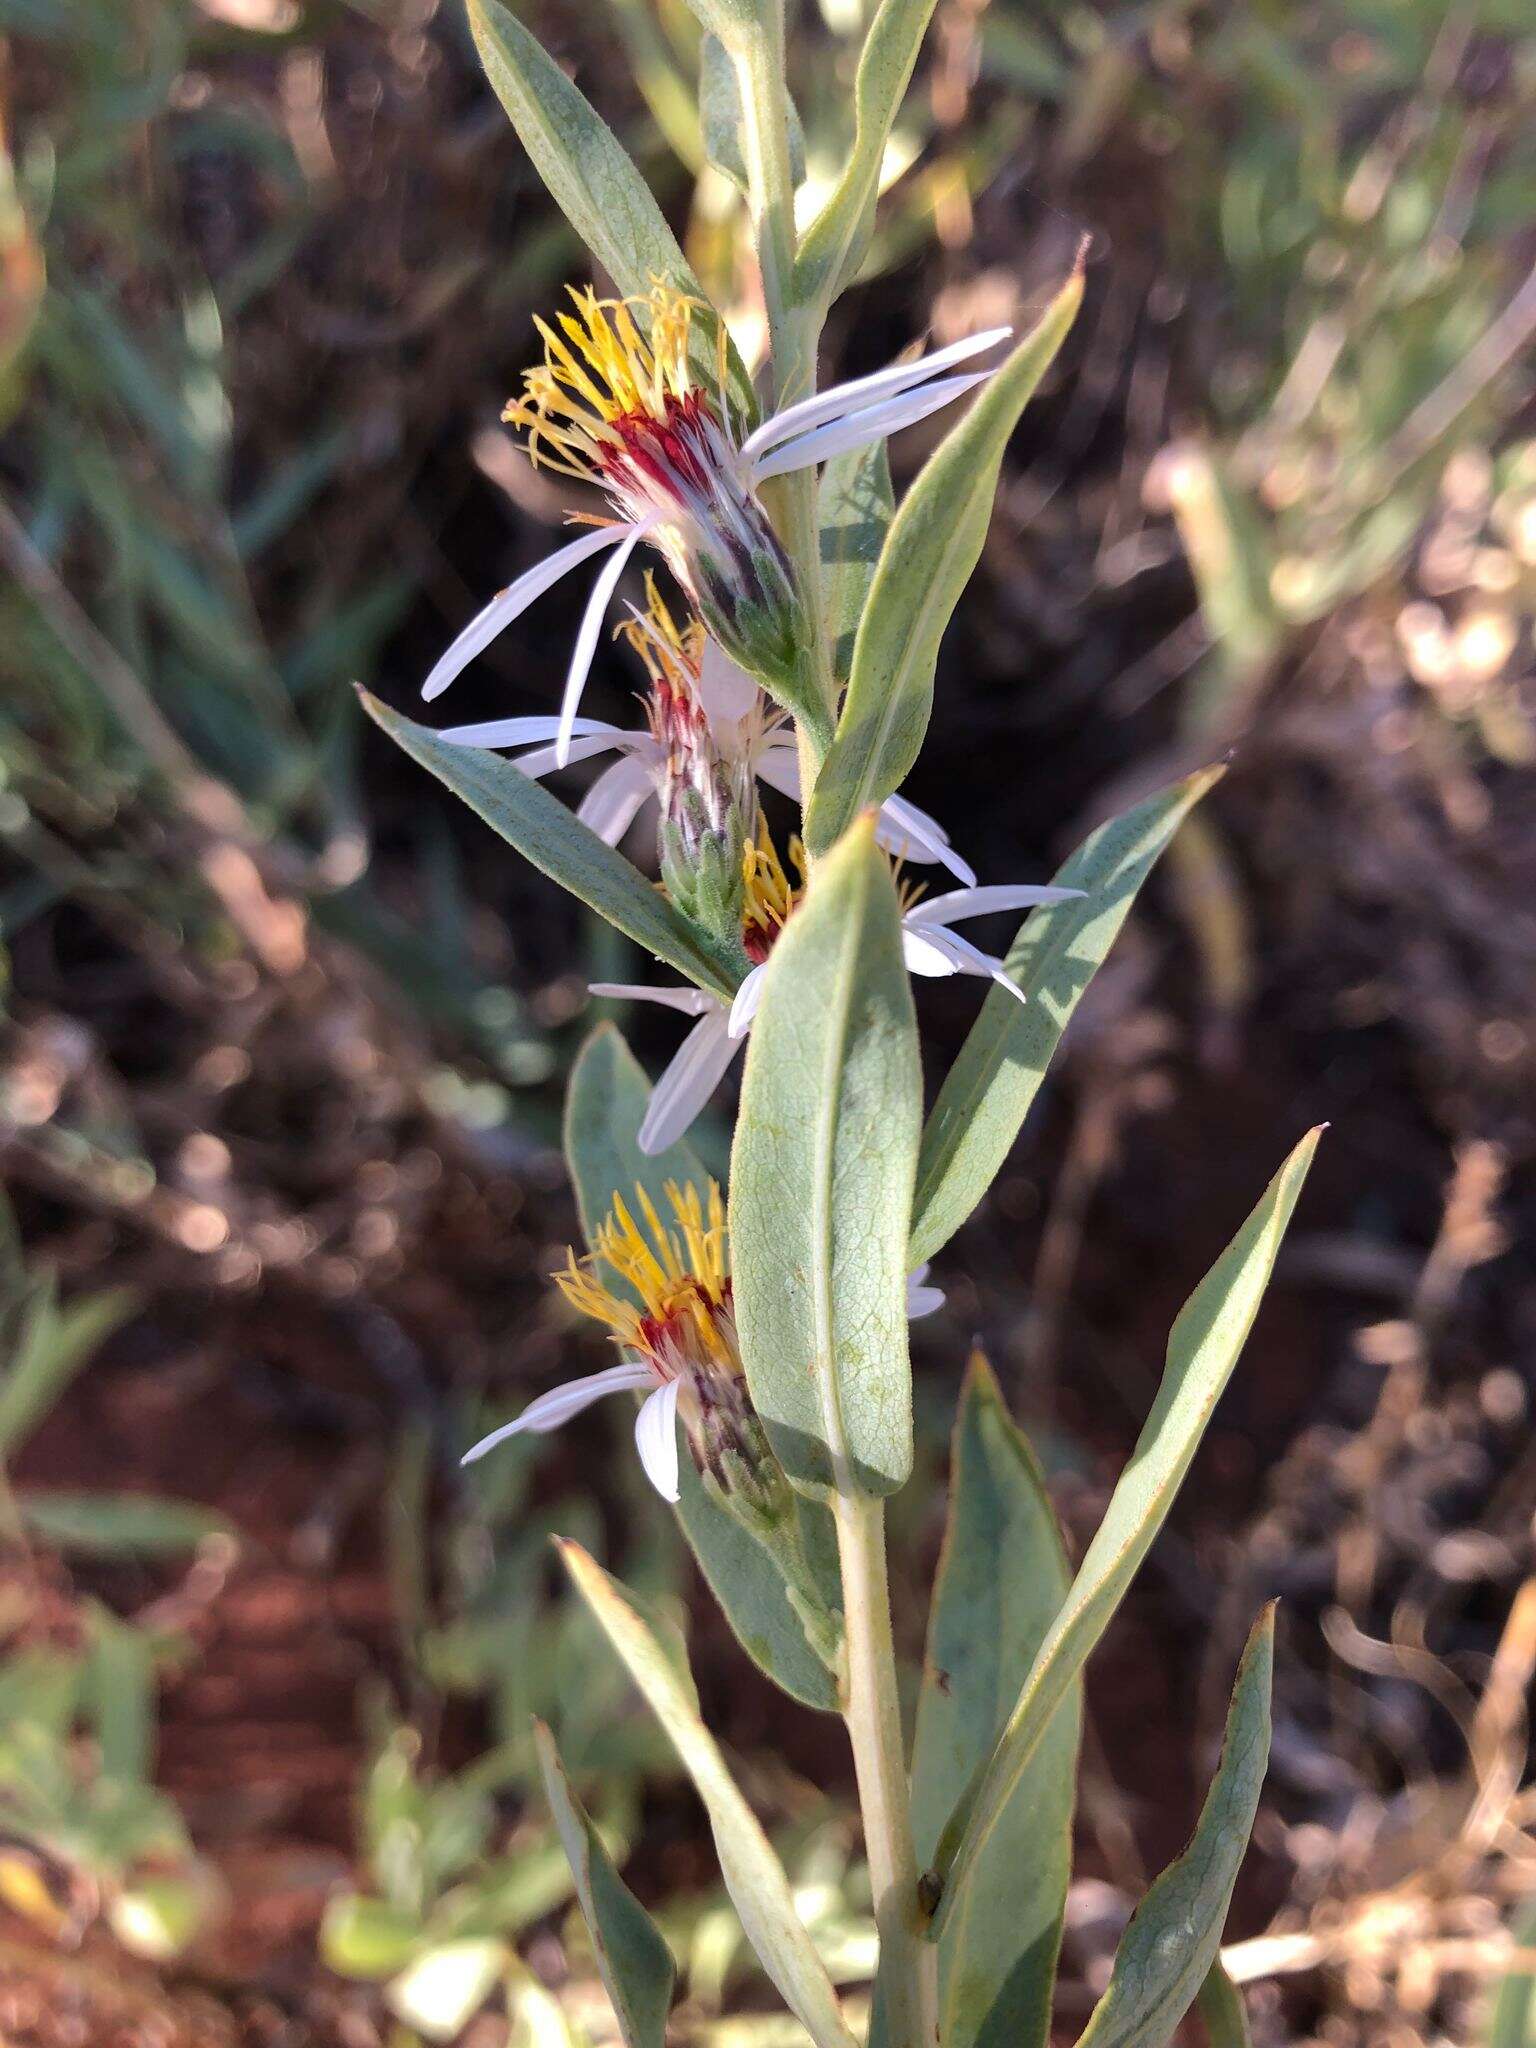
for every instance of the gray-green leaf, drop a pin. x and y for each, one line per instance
(1175, 1934)
(821, 1182)
(720, 117)
(1202, 1351)
(1002, 1577)
(604, 1106)
(1222, 2009)
(753, 1875)
(596, 187)
(933, 545)
(988, 1091)
(634, 1961)
(1513, 2023)
(836, 239)
(856, 504)
(556, 841)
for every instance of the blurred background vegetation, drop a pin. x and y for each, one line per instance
(282, 1035)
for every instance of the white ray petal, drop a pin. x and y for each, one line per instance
(586, 637)
(510, 603)
(522, 732)
(747, 998)
(865, 391)
(838, 436)
(963, 957)
(550, 1410)
(541, 761)
(656, 1438)
(903, 829)
(922, 1299)
(924, 955)
(609, 806)
(778, 764)
(694, 1002)
(933, 910)
(726, 691)
(697, 1069)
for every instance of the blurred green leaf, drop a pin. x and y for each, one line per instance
(440, 1992)
(1202, 1351)
(119, 1524)
(636, 1964)
(819, 1213)
(366, 1938)
(1512, 2023)
(1222, 2009)
(1175, 1933)
(53, 1345)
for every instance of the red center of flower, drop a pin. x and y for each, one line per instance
(665, 452)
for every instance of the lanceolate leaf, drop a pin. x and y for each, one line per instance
(1207, 1338)
(1222, 2009)
(988, 1091)
(821, 1181)
(604, 1106)
(1002, 1577)
(933, 545)
(52, 1345)
(593, 182)
(1175, 1934)
(856, 505)
(836, 239)
(555, 840)
(634, 1961)
(753, 1875)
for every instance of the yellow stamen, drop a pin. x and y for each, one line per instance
(672, 654)
(603, 369)
(677, 1274)
(769, 895)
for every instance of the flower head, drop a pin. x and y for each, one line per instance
(615, 403)
(929, 946)
(662, 1290)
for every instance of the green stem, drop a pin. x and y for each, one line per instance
(872, 1712)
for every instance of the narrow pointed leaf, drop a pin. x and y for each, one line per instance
(988, 1091)
(836, 239)
(604, 1106)
(1222, 2009)
(556, 841)
(634, 1961)
(934, 543)
(753, 1875)
(821, 1182)
(594, 183)
(52, 1346)
(1002, 1577)
(856, 505)
(1174, 1936)
(1210, 1333)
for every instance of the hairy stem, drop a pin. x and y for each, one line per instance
(872, 1713)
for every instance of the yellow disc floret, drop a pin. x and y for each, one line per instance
(600, 368)
(768, 894)
(677, 1312)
